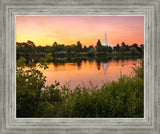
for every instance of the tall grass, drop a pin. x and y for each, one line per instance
(123, 98)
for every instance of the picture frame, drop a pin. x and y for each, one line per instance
(148, 125)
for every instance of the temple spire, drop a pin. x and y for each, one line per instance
(105, 41)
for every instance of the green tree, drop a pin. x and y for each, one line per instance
(123, 48)
(133, 50)
(54, 44)
(92, 52)
(102, 49)
(29, 85)
(117, 48)
(135, 45)
(110, 49)
(79, 46)
(85, 49)
(123, 44)
(99, 43)
(69, 49)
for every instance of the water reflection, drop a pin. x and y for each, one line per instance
(83, 71)
(105, 67)
(79, 64)
(98, 65)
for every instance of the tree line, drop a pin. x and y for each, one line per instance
(30, 48)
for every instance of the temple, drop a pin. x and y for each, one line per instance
(105, 41)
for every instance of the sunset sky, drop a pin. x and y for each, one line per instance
(45, 30)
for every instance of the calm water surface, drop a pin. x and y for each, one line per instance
(88, 71)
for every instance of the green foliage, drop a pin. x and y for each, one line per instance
(133, 50)
(99, 43)
(32, 52)
(117, 48)
(123, 49)
(45, 109)
(103, 49)
(43, 61)
(116, 99)
(29, 84)
(21, 62)
(122, 98)
(92, 52)
(109, 49)
(28, 47)
(139, 70)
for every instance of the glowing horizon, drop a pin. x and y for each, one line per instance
(45, 30)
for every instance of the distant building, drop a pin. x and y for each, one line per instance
(105, 42)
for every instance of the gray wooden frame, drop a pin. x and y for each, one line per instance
(150, 124)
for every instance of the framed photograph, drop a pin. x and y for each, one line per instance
(77, 79)
(80, 67)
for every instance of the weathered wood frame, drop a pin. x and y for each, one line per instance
(150, 9)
